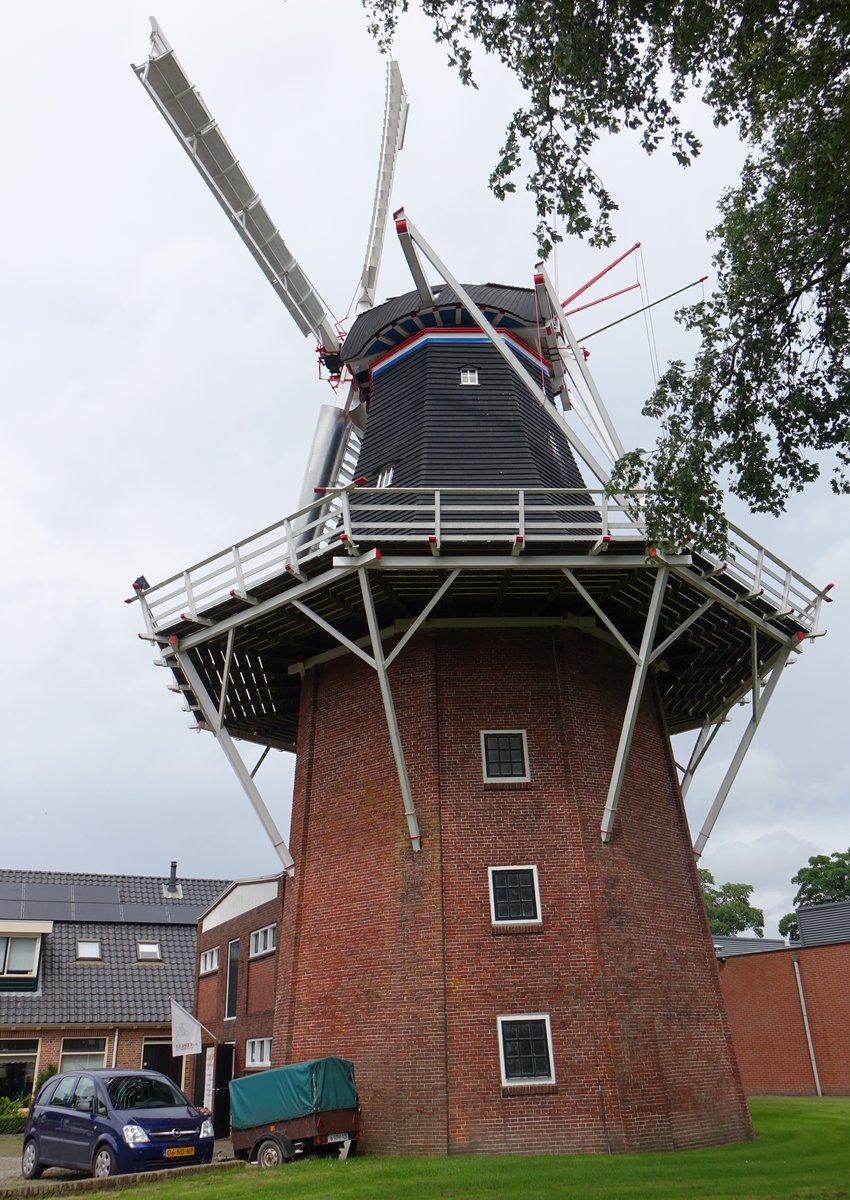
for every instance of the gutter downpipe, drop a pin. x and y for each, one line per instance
(115, 1048)
(796, 962)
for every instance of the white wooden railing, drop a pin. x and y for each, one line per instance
(453, 519)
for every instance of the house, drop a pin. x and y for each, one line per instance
(789, 1010)
(235, 989)
(88, 966)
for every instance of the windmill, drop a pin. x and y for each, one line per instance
(493, 907)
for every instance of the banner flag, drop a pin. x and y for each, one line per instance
(185, 1032)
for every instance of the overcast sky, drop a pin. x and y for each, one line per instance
(158, 403)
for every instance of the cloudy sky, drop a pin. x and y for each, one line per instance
(158, 402)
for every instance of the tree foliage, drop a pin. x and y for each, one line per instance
(728, 906)
(770, 389)
(825, 880)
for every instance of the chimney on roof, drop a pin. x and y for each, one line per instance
(172, 890)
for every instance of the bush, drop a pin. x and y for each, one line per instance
(42, 1077)
(13, 1124)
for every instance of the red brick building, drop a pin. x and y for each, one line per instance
(771, 999)
(402, 963)
(235, 989)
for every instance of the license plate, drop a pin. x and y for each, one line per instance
(180, 1152)
(336, 1137)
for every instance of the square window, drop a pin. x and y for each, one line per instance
(504, 756)
(82, 1054)
(88, 949)
(258, 1053)
(469, 377)
(148, 952)
(514, 896)
(385, 477)
(525, 1049)
(209, 961)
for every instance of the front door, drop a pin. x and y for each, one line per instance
(221, 1092)
(157, 1056)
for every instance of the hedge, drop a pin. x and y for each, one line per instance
(13, 1124)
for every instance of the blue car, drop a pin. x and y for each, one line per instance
(112, 1122)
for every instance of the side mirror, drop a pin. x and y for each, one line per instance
(85, 1105)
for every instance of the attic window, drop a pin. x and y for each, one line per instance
(88, 949)
(148, 952)
(385, 477)
(469, 377)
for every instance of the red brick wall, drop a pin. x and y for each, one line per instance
(255, 995)
(767, 1022)
(393, 961)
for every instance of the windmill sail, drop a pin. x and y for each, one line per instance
(395, 121)
(196, 129)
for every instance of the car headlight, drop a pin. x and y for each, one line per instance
(134, 1135)
(207, 1129)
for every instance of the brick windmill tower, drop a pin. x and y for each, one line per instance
(492, 904)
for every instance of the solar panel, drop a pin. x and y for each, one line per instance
(104, 893)
(47, 910)
(187, 914)
(49, 891)
(11, 891)
(10, 909)
(97, 912)
(156, 913)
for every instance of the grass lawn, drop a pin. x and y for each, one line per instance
(802, 1150)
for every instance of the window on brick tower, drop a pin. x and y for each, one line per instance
(525, 1049)
(232, 979)
(514, 896)
(504, 756)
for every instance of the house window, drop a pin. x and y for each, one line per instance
(385, 477)
(19, 956)
(514, 896)
(469, 377)
(504, 755)
(258, 1053)
(209, 961)
(89, 949)
(81, 1054)
(148, 952)
(525, 1049)
(17, 1067)
(232, 979)
(263, 940)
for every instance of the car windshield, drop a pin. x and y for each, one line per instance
(139, 1091)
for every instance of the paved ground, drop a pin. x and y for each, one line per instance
(10, 1160)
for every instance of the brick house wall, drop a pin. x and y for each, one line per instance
(767, 1025)
(255, 992)
(389, 958)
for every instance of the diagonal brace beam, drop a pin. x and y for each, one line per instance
(335, 633)
(432, 603)
(759, 707)
(630, 718)
(211, 718)
(389, 710)
(606, 621)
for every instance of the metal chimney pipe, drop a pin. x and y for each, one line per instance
(172, 882)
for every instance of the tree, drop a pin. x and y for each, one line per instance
(770, 388)
(728, 906)
(825, 880)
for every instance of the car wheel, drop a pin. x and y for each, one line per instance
(103, 1164)
(31, 1168)
(269, 1154)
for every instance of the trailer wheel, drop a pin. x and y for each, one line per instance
(271, 1152)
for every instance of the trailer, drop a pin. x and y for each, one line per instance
(306, 1107)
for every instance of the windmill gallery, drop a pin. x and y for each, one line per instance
(492, 904)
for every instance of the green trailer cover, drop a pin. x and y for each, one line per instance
(320, 1085)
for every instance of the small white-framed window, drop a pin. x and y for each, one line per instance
(19, 955)
(209, 961)
(263, 941)
(385, 477)
(82, 1054)
(504, 756)
(525, 1049)
(258, 1053)
(88, 948)
(148, 952)
(514, 896)
(469, 377)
